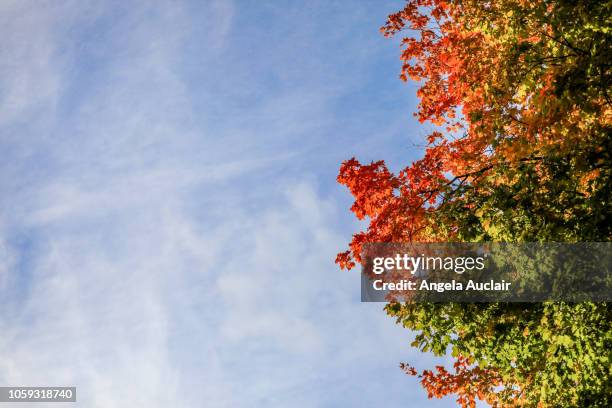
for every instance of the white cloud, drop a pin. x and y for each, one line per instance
(153, 252)
(29, 77)
(107, 302)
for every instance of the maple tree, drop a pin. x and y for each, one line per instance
(517, 93)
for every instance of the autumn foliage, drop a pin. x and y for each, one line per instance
(468, 382)
(517, 95)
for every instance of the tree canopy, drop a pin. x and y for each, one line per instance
(517, 95)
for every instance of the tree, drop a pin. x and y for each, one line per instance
(517, 92)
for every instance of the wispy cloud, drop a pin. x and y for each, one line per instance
(166, 238)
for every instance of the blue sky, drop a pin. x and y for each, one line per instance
(169, 214)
